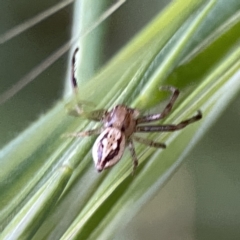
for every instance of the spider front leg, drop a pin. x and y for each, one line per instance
(77, 111)
(167, 109)
(73, 78)
(169, 127)
(76, 108)
(84, 133)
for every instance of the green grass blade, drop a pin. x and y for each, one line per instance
(31, 216)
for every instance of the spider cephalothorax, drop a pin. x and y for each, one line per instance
(119, 126)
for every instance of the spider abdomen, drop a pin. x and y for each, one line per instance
(108, 148)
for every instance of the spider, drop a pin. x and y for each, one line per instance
(119, 126)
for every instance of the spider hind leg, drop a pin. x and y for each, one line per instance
(149, 143)
(133, 155)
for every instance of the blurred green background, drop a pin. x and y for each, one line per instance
(201, 201)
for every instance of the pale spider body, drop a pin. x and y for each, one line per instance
(119, 126)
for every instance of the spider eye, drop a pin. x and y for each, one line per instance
(108, 148)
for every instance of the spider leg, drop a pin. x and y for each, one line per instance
(73, 77)
(76, 109)
(169, 127)
(84, 134)
(133, 154)
(167, 109)
(149, 143)
(96, 115)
